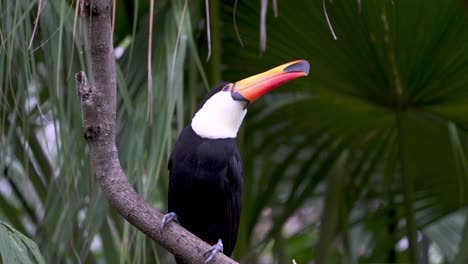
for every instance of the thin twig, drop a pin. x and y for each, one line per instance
(263, 17)
(2, 41)
(75, 19)
(208, 28)
(328, 20)
(235, 23)
(36, 22)
(149, 110)
(114, 8)
(59, 28)
(47, 40)
(275, 7)
(174, 56)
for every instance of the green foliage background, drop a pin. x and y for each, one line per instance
(343, 166)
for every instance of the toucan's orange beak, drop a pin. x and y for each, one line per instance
(252, 88)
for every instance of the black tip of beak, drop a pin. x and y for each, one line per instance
(300, 66)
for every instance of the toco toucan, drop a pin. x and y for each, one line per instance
(205, 167)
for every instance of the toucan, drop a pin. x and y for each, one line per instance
(205, 167)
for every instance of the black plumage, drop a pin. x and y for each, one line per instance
(205, 185)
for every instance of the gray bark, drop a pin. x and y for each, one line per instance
(98, 103)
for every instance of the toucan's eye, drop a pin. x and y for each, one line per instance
(226, 88)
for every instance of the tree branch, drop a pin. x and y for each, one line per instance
(98, 103)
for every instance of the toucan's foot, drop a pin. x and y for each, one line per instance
(211, 253)
(166, 219)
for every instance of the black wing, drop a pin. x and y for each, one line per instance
(170, 193)
(234, 202)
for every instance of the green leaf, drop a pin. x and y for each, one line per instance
(17, 248)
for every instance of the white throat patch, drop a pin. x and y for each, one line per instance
(219, 117)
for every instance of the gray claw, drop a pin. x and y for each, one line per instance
(218, 247)
(166, 219)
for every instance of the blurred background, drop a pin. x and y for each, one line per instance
(363, 161)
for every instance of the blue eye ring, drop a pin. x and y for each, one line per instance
(226, 88)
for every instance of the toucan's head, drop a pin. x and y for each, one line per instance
(221, 112)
